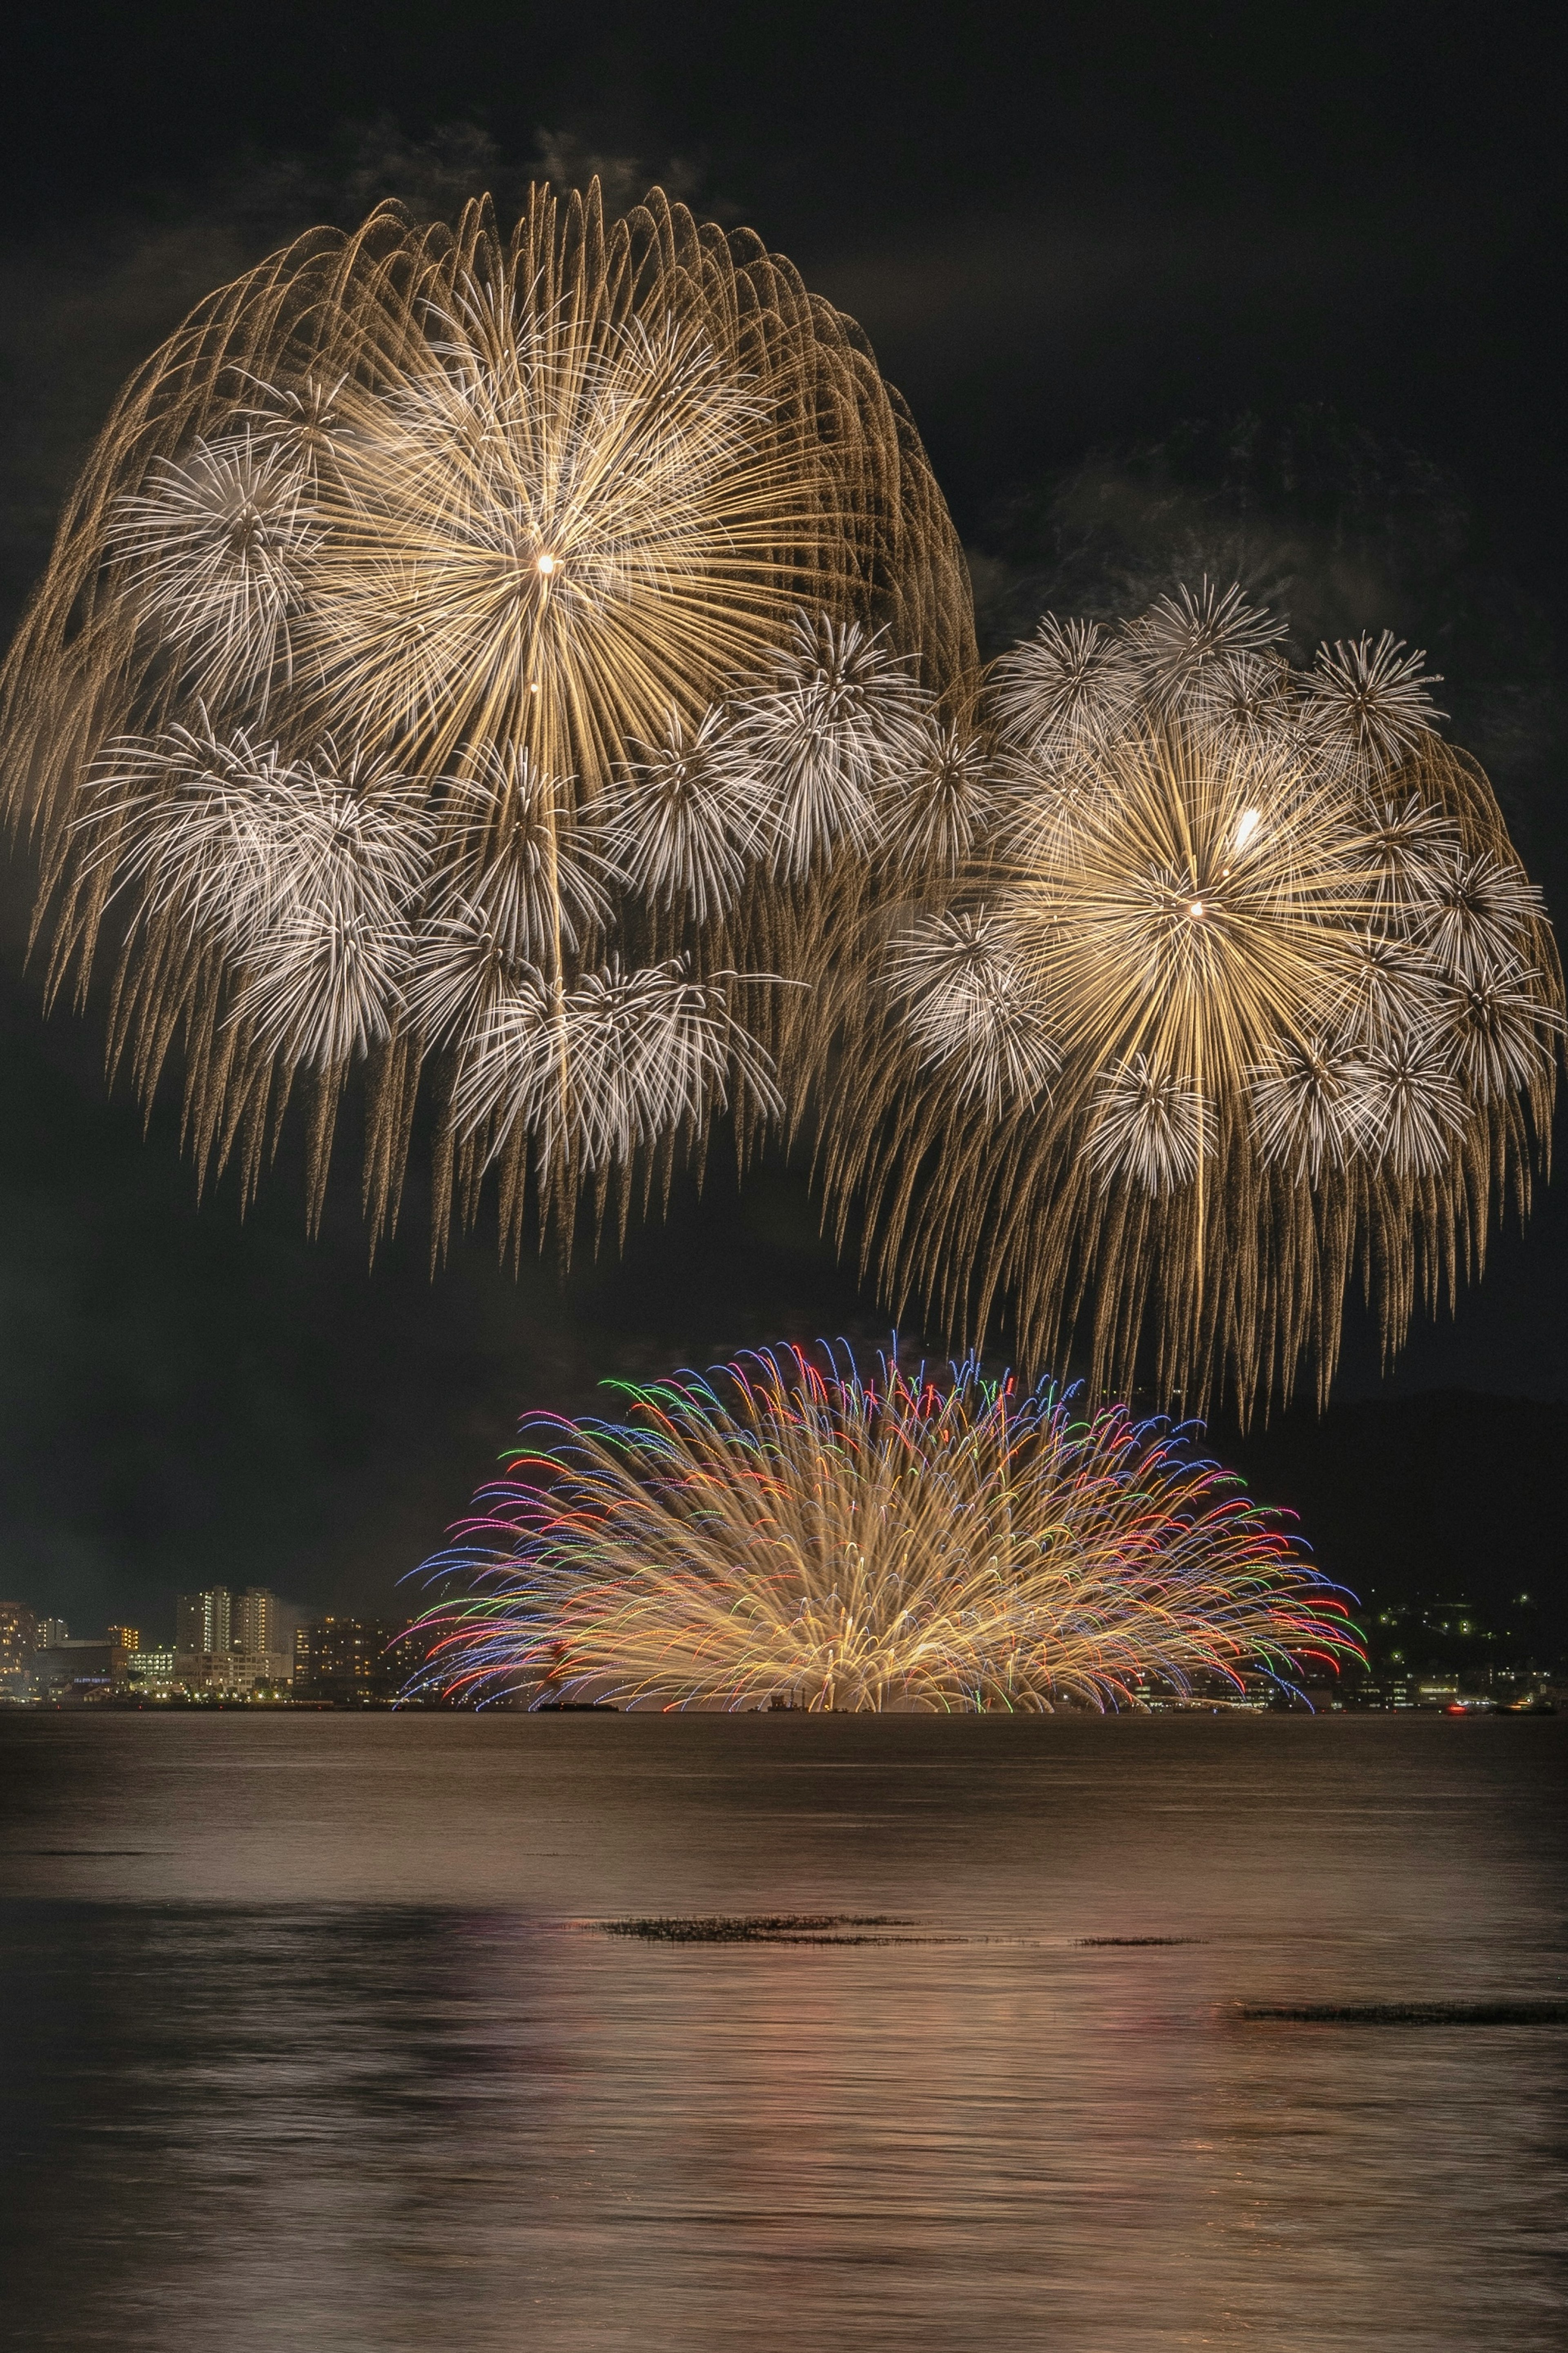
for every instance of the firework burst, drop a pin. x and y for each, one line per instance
(788, 1528)
(449, 626)
(1250, 995)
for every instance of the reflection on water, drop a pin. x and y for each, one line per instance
(310, 2040)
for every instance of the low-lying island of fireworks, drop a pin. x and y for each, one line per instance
(788, 1529)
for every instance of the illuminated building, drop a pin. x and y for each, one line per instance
(352, 1662)
(18, 1641)
(202, 1623)
(153, 1672)
(258, 1644)
(227, 1642)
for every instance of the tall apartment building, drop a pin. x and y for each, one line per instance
(52, 1632)
(18, 1641)
(202, 1623)
(258, 1638)
(230, 1642)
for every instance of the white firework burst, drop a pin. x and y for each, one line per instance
(1310, 1104)
(303, 414)
(464, 964)
(215, 552)
(1247, 694)
(1413, 1107)
(1183, 642)
(1388, 988)
(1149, 1125)
(1478, 914)
(619, 1061)
(184, 822)
(522, 882)
(809, 759)
(520, 854)
(324, 937)
(678, 835)
(968, 1005)
(1409, 845)
(935, 815)
(1065, 688)
(1499, 1032)
(1369, 701)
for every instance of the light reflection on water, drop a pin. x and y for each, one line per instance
(307, 2046)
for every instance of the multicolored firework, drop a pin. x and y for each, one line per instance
(334, 709)
(786, 1529)
(1242, 994)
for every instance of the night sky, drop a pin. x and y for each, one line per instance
(1273, 293)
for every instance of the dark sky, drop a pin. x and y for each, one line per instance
(1103, 249)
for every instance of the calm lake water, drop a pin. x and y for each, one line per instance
(310, 2039)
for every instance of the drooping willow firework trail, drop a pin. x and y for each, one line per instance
(462, 649)
(1243, 991)
(784, 1528)
(544, 668)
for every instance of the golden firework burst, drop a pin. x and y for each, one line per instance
(1246, 991)
(428, 531)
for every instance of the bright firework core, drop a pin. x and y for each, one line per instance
(785, 1529)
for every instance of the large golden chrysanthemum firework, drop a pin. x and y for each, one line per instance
(371, 695)
(786, 1529)
(1245, 993)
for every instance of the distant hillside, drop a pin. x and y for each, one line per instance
(1442, 1497)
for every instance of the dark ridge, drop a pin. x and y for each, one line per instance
(1139, 1941)
(1389, 1491)
(1412, 2013)
(748, 1929)
(806, 1937)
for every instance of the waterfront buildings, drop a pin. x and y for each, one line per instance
(72, 1670)
(352, 1662)
(229, 1642)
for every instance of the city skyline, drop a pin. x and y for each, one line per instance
(227, 1646)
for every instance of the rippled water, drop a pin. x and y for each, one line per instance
(310, 2039)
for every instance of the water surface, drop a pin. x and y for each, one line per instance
(312, 2038)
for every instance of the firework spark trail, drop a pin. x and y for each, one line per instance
(1248, 990)
(498, 665)
(493, 515)
(785, 1526)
